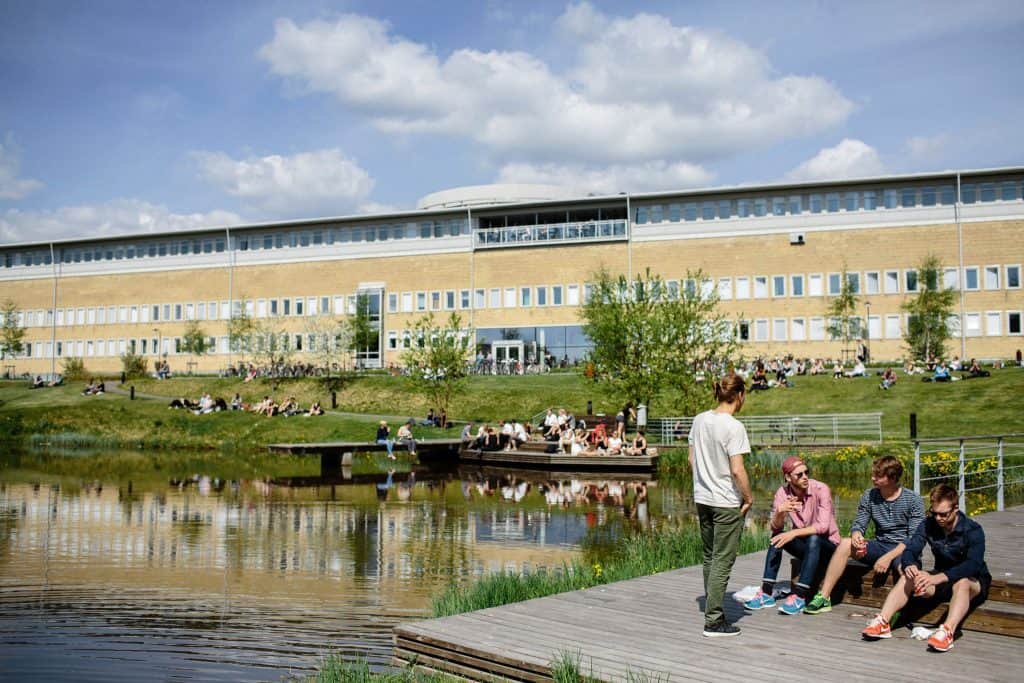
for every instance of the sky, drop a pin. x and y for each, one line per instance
(141, 116)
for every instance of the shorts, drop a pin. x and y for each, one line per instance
(944, 592)
(875, 550)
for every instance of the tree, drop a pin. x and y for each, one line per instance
(930, 311)
(272, 345)
(843, 322)
(437, 359)
(194, 341)
(363, 337)
(330, 340)
(12, 335)
(241, 329)
(648, 339)
(134, 365)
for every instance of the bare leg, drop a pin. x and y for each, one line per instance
(898, 597)
(964, 591)
(836, 567)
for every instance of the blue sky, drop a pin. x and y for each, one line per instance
(123, 117)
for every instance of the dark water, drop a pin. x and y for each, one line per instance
(112, 566)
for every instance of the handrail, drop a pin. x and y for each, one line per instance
(973, 437)
(997, 442)
(824, 429)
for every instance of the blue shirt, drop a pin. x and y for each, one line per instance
(959, 555)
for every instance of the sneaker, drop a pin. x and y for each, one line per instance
(794, 604)
(818, 605)
(721, 629)
(760, 601)
(941, 640)
(877, 629)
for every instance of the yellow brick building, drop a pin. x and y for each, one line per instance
(517, 271)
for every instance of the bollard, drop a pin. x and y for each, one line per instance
(123, 378)
(334, 400)
(913, 425)
(131, 393)
(590, 407)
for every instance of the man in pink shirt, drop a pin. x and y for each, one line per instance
(812, 537)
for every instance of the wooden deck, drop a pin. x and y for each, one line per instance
(652, 625)
(331, 447)
(524, 459)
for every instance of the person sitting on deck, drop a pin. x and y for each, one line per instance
(490, 442)
(315, 409)
(566, 438)
(405, 437)
(550, 420)
(976, 371)
(896, 513)
(599, 437)
(639, 446)
(467, 432)
(812, 537)
(614, 445)
(888, 378)
(507, 437)
(520, 433)
(960, 576)
(383, 431)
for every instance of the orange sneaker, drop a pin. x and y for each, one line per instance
(941, 640)
(877, 629)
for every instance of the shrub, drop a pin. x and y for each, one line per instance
(134, 365)
(74, 369)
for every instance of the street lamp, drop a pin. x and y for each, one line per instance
(867, 333)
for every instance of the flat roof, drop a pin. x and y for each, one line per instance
(499, 208)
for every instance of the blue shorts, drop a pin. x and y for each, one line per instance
(875, 550)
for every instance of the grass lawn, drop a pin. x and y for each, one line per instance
(980, 406)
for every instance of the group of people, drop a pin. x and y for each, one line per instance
(271, 408)
(403, 437)
(804, 525)
(94, 388)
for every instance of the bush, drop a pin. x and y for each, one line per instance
(74, 369)
(134, 365)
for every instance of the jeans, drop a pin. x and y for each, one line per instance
(811, 550)
(387, 442)
(720, 530)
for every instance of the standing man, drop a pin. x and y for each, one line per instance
(960, 576)
(896, 513)
(721, 490)
(812, 537)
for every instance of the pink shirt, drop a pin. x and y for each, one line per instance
(817, 510)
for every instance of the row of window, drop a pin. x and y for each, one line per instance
(794, 204)
(242, 242)
(740, 287)
(890, 327)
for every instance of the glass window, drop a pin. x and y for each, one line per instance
(449, 300)
(479, 299)
(779, 326)
(510, 297)
(494, 298)
(892, 282)
(798, 330)
(725, 288)
(656, 213)
(690, 211)
(851, 201)
(421, 301)
(406, 302)
(778, 206)
(910, 282)
(438, 229)
(761, 207)
(675, 212)
(743, 330)
(947, 194)
(1013, 322)
(1008, 191)
(435, 301)
(869, 201)
(641, 215)
(760, 286)
(525, 297)
(572, 295)
(951, 278)
(760, 330)
(971, 278)
(742, 288)
(300, 306)
(743, 208)
(708, 211)
(892, 327)
(542, 296)
(816, 203)
(968, 194)
(556, 295)
(463, 299)
(908, 197)
(994, 323)
(987, 192)
(778, 285)
(796, 204)
(724, 208)
(834, 284)
(817, 329)
(796, 285)
(854, 280)
(1012, 277)
(815, 285)
(890, 198)
(927, 196)
(832, 202)
(871, 283)
(973, 327)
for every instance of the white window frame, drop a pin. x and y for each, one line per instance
(828, 284)
(818, 278)
(393, 298)
(759, 325)
(761, 279)
(1006, 275)
(889, 320)
(1020, 324)
(803, 285)
(997, 316)
(984, 275)
(541, 292)
(465, 299)
(886, 287)
(436, 302)
(526, 297)
(421, 301)
(874, 327)
(816, 329)
(557, 292)
(742, 287)
(509, 298)
(450, 296)
(798, 329)
(494, 297)
(780, 325)
(479, 298)
(572, 295)
(950, 278)
(724, 288)
(785, 286)
(977, 278)
(867, 282)
(975, 316)
(917, 285)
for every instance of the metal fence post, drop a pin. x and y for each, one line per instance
(835, 430)
(917, 467)
(960, 483)
(999, 474)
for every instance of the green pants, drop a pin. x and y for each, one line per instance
(720, 530)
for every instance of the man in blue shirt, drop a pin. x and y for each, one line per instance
(960, 575)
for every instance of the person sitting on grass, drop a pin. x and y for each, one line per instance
(315, 409)
(896, 513)
(383, 432)
(941, 373)
(837, 369)
(236, 402)
(812, 537)
(289, 407)
(639, 446)
(38, 383)
(960, 576)
(858, 369)
(976, 371)
(759, 381)
(888, 379)
(89, 390)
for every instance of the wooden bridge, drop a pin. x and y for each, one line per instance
(334, 454)
(652, 626)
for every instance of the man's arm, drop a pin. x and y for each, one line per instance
(739, 475)
(912, 551)
(971, 566)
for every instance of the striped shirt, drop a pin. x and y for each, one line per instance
(895, 520)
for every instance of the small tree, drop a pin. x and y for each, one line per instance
(437, 359)
(648, 339)
(272, 345)
(930, 311)
(74, 369)
(842, 313)
(133, 365)
(12, 335)
(241, 329)
(330, 341)
(194, 341)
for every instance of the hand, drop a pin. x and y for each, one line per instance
(857, 539)
(745, 508)
(882, 564)
(780, 540)
(790, 505)
(911, 572)
(923, 581)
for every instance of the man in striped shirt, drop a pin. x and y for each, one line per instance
(896, 513)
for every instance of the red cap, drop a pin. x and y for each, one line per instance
(790, 463)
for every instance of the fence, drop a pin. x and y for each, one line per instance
(974, 463)
(819, 430)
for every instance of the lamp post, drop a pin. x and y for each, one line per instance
(867, 333)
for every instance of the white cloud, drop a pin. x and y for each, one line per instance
(610, 179)
(926, 148)
(848, 159)
(11, 186)
(116, 217)
(646, 90)
(320, 182)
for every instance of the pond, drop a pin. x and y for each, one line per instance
(232, 568)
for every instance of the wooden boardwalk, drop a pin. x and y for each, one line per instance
(537, 459)
(652, 625)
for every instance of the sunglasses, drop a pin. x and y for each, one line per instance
(943, 515)
(802, 474)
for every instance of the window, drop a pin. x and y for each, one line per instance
(817, 329)
(892, 282)
(796, 285)
(690, 211)
(449, 300)
(816, 204)
(778, 206)
(479, 298)
(392, 303)
(798, 329)
(796, 204)
(971, 278)
(760, 330)
(725, 288)
(743, 330)
(1013, 277)
(435, 301)
(815, 285)
(572, 295)
(851, 201)
(871, 283)
(890, 198)
(991, 277)
(463, 299)
(742, 288)
(987, 191)
(908, 197)
(494, 299)
(832, 202)
(724, 209)
(910, 281)
(300, 306)
(1013, 322)
(951, 278)
(392, 341)
(779, 329)
(874, 327)
(968, 194)
(761, 207)
(556, 295)
(947, 195)
(834, 284)
(708, 211)
(760, 286)
(778, 285)
(406, 302)
(421, 301)
(994, 323)
(177, 312)
(973, 327)
(542, 296)
(927, 196)
(1008, 191)
(869, 201)
(854, 280)
(510, 297)
(525, 297)
(892, 327)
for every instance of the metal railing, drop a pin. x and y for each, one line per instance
(819, 430)
(532, 235)
(971, 463)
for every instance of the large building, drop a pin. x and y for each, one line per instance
(514, 262)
